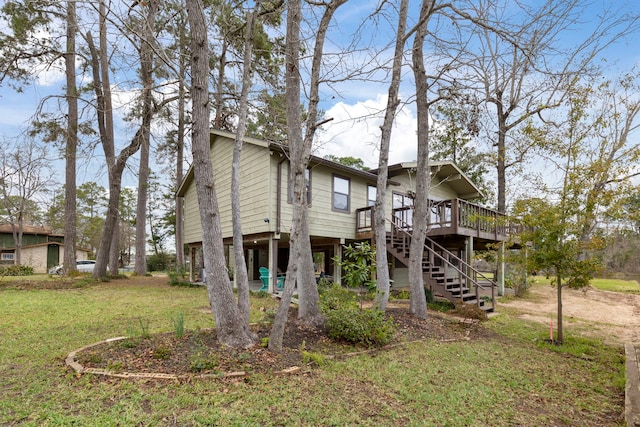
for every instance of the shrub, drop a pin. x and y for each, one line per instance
(162, 353)
(441, 305)
(402, 294)
(180, 278)
(335, 297)
(16, 270)
(367, 327)
(201, 360)
(324, 284)
(428, 293)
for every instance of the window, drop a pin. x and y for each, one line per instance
(371, 195)
(307, 181)
(341, 189)
(7, 256)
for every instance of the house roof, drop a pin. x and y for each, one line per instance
(441, 172)
(27, 229)
(282, 148)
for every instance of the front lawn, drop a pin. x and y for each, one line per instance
(616, 285)
(507, 378)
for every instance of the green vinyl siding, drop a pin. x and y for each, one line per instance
(257, 201)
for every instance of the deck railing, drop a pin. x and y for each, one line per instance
(452, 216)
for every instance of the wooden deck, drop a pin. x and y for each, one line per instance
(453, 217)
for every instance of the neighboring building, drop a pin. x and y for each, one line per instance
(340, 200)
(41, 249)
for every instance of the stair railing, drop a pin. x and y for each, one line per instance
(398, 227)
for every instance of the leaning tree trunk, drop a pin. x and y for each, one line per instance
(232, 329)
(241, 276)
(379, 222)
(309, 306)
(418, 300)
(294, 133)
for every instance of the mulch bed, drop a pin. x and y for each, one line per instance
(199, 353)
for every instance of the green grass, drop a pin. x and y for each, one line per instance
(616, 285)
(509, 378)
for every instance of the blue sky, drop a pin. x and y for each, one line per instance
(350, 133)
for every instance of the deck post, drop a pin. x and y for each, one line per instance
(501, 267)
(273, 263)
(455, 215)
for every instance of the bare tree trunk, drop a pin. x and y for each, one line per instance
(141, 209)
(309, 305)
(379, 221)
(241, 276)
(71, 146)
(17, 238)
(101, 82)
(144, 133)
(309, 301)
(102, 87)
(418, 301)
(232, 329)
(114, 247)
(280, 321)
(180, 262)
(219, 121)
(294, 131)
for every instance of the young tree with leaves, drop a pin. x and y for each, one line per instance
(553, 228)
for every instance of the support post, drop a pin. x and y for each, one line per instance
(501, 267)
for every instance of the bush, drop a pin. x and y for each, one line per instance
(335, 297)
(367, 327)
(180, 278)
(428, 293)
(16, 270)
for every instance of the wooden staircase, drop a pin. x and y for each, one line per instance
(445, 274)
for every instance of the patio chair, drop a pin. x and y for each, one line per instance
(264, 276)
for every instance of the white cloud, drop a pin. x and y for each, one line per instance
(355, 131)
(48, 74)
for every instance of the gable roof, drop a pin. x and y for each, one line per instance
(441, 172)
(281, 148)
(28, 229)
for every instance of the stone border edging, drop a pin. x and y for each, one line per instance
(79, 369)
(632, 386)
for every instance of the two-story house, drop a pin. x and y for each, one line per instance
(340, 202)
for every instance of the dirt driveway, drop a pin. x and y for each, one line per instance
(610, 315)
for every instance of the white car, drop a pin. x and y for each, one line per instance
(83, 266)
